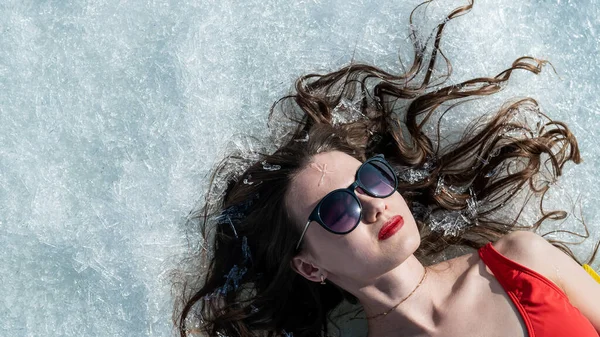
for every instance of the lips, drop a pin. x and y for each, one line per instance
(391, 227)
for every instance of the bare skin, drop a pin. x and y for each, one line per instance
(321, 168)
(458, 297)
(462, 298)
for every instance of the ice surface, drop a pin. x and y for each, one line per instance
(113, 112)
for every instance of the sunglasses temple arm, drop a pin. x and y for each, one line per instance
(302, 236)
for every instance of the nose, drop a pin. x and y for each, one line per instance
(372, 208)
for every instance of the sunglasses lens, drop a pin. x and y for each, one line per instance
(377, 178)
(340, 211)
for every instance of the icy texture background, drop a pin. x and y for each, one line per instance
(113, 112)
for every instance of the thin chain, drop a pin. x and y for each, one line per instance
(404, 299)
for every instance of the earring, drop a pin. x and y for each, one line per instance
(322, 279)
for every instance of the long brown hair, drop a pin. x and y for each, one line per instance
(460, 192)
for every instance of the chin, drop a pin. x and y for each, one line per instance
(411, 240)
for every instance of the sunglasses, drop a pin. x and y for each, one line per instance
(340, 211)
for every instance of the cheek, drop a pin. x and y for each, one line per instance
(334, 252)
(400, 204)
(357, 247)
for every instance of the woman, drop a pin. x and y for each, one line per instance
(364, 195)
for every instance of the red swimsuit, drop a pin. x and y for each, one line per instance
(545, 308)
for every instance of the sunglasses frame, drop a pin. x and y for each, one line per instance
(315, 215)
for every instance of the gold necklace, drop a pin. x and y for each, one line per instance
(404, 299)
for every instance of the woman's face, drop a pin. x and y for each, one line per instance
(360, 255)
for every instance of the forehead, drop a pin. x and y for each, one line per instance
(325, 172)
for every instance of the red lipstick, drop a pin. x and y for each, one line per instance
(391, 227)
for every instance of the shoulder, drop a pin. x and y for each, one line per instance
(534, 252)
(530, 250)
(521, 245)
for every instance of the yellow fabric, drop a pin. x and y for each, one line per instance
(592, 272)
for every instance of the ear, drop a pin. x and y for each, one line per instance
(304, 266)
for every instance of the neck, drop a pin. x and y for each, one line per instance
(418, 306)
